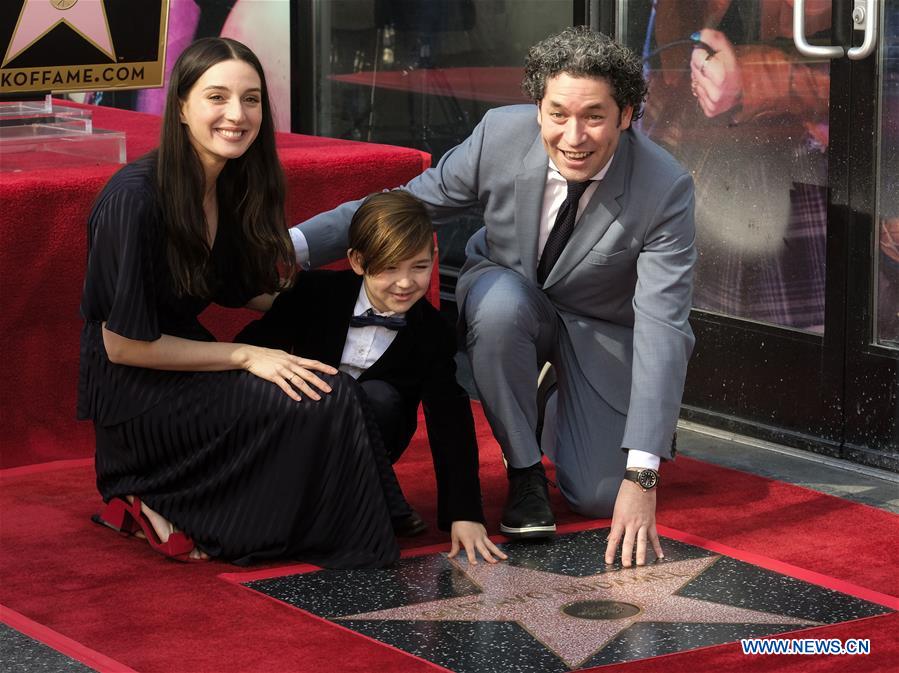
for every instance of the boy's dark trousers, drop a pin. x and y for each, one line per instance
(388, 408)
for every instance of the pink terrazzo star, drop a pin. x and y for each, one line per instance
(536, 600)
(39, 17)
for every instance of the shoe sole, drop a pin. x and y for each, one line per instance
(529, 532)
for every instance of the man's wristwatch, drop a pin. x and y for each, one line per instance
(644, 477)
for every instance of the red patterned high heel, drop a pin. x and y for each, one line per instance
(127, 518)
(115, 515)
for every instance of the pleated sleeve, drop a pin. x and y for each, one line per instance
(121, 278)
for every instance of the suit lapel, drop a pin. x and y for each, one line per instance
(391, 359)
(597, 216)
(530, 184)
(340, 306)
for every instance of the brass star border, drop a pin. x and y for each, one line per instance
(537, 600)
(558, 607)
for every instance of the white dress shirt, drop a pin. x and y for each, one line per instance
(554, 194)
(364, 345)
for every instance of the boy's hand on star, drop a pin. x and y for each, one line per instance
(471, 536)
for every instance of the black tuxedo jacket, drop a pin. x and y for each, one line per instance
(312, 318)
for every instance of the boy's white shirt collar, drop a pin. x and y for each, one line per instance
(365, 345)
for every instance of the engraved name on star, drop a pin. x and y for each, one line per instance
(39, 17)
(538, 601)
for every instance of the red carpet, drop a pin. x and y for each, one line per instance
(114, 600)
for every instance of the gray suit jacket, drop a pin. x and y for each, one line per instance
(623, 284)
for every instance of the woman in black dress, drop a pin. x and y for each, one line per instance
(207, 448)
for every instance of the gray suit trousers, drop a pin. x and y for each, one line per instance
(513, 329)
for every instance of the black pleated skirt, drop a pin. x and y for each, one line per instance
(252, 475)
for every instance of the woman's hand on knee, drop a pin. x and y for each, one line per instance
(288, 372)
(471, 536)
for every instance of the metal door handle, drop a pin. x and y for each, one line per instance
(802, 44)
(864, 17)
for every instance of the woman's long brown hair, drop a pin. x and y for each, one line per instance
(251, 186)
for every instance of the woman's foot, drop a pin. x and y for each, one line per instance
(164, 529)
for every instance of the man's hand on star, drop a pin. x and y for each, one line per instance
(633, 524)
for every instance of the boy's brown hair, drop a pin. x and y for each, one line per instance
(388, 228)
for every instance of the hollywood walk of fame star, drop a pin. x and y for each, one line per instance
(39, 17)
(545, 604)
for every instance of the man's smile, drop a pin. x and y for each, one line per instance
(575, 156)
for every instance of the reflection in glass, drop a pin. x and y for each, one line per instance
(422, 73)
(888, 200)
(732, 99)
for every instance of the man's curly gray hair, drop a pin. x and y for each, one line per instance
(582, 52)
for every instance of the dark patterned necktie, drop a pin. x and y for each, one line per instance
(561, 230)
(372, 319)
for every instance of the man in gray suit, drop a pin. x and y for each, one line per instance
(585, 261)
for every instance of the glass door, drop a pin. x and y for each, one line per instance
(872, 374)
(785, 302)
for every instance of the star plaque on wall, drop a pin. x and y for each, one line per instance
(72, 45)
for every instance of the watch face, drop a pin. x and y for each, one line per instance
(647, 479)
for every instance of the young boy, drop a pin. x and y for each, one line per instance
(374, 323)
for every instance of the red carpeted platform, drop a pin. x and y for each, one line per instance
(111, 598)
(43, 225)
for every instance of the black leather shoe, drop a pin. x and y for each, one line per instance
(527, 513)
(409, 526)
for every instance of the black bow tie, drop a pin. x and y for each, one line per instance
(372, 319)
